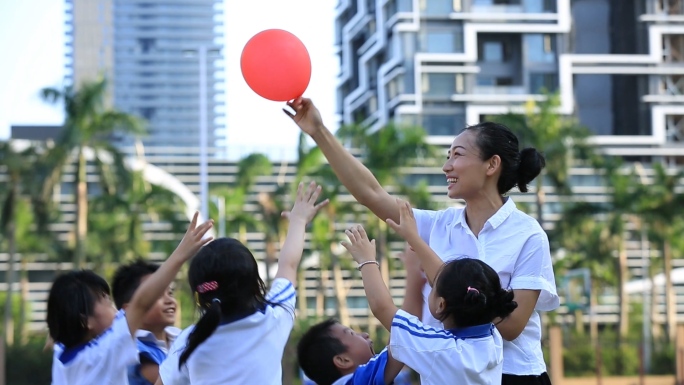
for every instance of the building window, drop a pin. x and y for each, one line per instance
(442, 42)
(541, 81)
(445, 124)
(493, 52)
(443, 84)
(437, 7)
(540, 48)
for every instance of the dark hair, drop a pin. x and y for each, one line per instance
(127, 279)
(71, 301)
(472, 292)
(240, 291)
(518, 168)
(316, 350)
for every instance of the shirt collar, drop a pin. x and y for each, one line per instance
(477, 331)
(147, 336)
(495, 220)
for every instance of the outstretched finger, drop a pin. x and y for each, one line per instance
(288, 113)
(300, 189)
(203, 228)
(393, 225)
(351, 236)
(322, 204)
(193, 222)
(315, 193)
(346, 245)
(362, 232)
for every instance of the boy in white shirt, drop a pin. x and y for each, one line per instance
(157, 332)
(94, 344)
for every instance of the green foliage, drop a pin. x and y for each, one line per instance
(29, 364)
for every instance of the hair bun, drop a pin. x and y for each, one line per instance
(531, 164)
(475, 300)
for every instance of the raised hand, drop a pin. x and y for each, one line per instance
(194, 239)
(305, 207)
(361, 249)
(407, 227)
(306, 115)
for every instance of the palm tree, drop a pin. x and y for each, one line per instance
(561, 139)
(623, 194)
(233, 217)
(585, 243)
(661, 206)
(386, 152)
(118, 216)
(18, 168)
(88, 127)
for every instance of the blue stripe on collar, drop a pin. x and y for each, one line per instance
(477, 331)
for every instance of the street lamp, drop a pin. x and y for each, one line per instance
(202, 52)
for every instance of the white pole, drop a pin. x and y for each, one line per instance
(222, 215)
(204, 178)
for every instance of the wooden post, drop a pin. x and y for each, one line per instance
(679, 355)
(556, 352)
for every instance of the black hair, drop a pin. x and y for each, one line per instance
(127, 279)
(239, 292)
(518, 168)
(472, 293)
(316, 350)
(71, 301)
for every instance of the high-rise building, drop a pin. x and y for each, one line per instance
(443, 64)
(150, 52)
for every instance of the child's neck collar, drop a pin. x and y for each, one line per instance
(477, 331)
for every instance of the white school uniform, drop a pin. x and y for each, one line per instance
(517, 248)
(465, 356)
(103, 360)
(245, 351)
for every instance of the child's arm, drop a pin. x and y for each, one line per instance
(152, 288)
(305, 208)
(149, 371)
(413, 296)
(408, 230)
(379, 298)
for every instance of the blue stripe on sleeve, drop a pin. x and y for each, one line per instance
(284, 291)
(422, 335)
(421, 328)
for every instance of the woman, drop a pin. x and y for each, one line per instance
(482, 165)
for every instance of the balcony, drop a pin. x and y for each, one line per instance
(500, 90)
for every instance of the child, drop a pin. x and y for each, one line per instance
(467, 297)
(242, 333)
(94, 344)
(330, 353)
(157, 331)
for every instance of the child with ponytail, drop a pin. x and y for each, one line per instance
(242, 333)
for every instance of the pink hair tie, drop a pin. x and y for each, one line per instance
(207, 286)
(472, 289)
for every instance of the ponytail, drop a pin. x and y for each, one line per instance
(503, 304)
(531, 164)
(204, 328)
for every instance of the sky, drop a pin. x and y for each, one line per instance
(32, 43)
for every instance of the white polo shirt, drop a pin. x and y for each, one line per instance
(246, 351)
(517, 248)
(465, 356)
(103, 360)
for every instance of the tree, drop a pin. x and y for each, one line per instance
(18, 168)
(87, 131)
(118, 216)
(234, 196)
(661, 206)
(560, 139)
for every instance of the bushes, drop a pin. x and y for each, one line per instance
(29, 364)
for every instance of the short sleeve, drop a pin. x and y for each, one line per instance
(413, 343)
(169, 372)
(372, 373)
(121, 346)
(424, 221)
(283, 295)
(534, 271)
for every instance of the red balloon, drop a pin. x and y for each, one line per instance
(276, 65)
